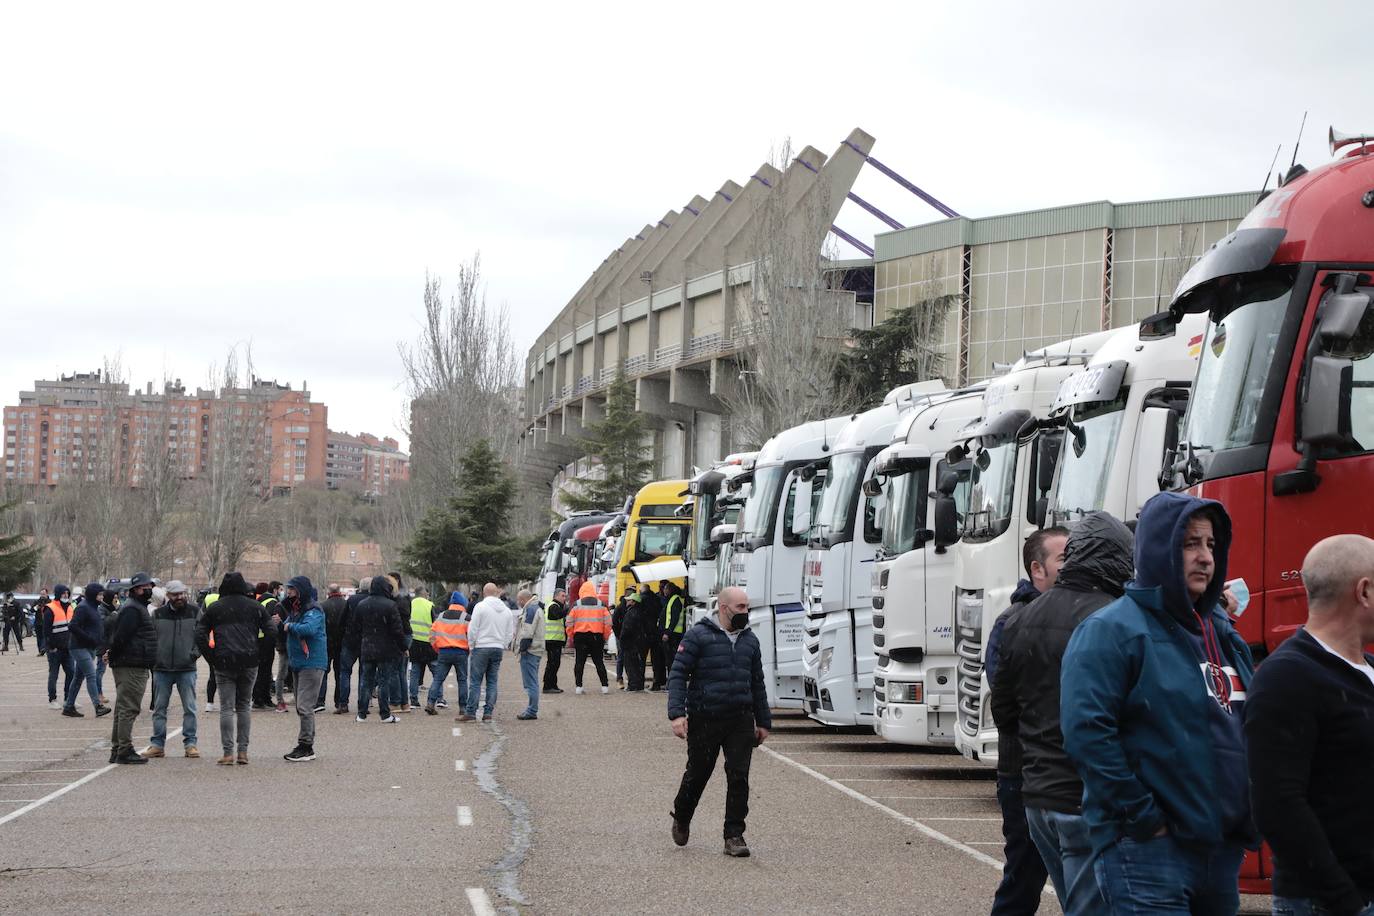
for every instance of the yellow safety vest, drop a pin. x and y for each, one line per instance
(553, 629)
(680, 627)
(421, 616)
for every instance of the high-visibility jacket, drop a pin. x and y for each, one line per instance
(554, 628)
(671, 626)
(421, 616)
(589, 616)
(61, 617)
(450, 629)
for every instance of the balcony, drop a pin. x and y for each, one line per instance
(666, 356)
(706, 344)
(637, 364)
(584, 384)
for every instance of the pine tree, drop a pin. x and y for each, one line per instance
(469, 538)
(904, 348)
(18, 558)
(616, 444)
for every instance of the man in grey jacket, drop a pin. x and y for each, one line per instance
(175, 667)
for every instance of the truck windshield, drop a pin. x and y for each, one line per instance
(659, 540)
(906, 511)
(1090, 440)
(761, 509)
(553, 552)
(834, 522)
(703, 520)
(993, 493)
(1236, 357)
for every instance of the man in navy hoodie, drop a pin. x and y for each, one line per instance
(1152, 697)
(86, 635)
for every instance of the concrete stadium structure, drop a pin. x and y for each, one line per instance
(662, 307)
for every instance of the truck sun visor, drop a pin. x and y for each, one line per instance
(1243, 251)
(1092, 385)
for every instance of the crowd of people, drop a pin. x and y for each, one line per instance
(1142, 753)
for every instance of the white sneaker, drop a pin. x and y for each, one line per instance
(359, 719)
(579, 690)
(53, 704)
(211, 707)
(440, 704)
(605, 690)
(390, 719)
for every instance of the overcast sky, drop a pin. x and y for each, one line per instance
(175, 179)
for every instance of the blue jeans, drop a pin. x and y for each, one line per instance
(1160, 876)
(59, 658)
(1067, 854)
(415, 670)
(1023, 876)
(83, 660)
(100, 666)
(483, 664)
(455, 660)
(377, 674)
(397, 683)
(1302, 906)
(343, 677)
(185, 683)
(529, 677)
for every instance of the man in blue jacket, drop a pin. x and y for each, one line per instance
(716, 701)
(1152, 697)
(307, 652)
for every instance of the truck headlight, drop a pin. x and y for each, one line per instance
(905, 693)
(971, 613)
(827, 656)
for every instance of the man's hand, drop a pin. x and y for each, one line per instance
(760, 735)
(1229, 602)
(680, 726)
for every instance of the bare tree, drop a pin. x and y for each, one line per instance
(792, 323)
(460, 378)
(153, 511)
(232, 486)
(397, 514)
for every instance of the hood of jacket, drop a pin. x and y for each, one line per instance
(233, 583)
(1159, 536)
(1025, 592)
(458, 598)
(92, 593)
(60, 591)
(1098, 555)
(305, 590)
(381, 585)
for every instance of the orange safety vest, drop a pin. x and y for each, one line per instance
(448, 633)
(589, 618)
(61, 617)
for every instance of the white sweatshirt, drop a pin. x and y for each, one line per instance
(492, 624)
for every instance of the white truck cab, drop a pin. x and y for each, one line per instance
(1012, 468)
(914, 695)
(770, 547)
(837, 593)
(715, 503)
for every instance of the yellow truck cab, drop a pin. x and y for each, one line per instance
(656, 531)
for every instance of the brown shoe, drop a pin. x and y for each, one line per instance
(735, 846)
(242, 759)
(226, 761)
(405, 708)
(193, 752)
(154, 751)
(464, 717)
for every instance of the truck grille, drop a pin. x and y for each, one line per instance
(968, 646)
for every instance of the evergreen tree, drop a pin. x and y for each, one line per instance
(901, 349)
(18, 558)
(468, 539)
(616, 444)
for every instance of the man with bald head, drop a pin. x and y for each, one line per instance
(716, 701)
(1310, 730)
(489, 632)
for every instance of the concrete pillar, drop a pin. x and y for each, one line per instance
(692, 388)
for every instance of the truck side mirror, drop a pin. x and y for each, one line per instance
(1326, 402)
(1156, 425)
(1342, 311)
(801, 505)
(1158, 326)
(1046, 461)
(946, 522)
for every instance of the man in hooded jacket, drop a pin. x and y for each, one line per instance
(86, 639)
(228, 635)
(303, 631)
(133, 651)
(54, 619)
(1152, 701)
(336, 612)
(175, 667)
(1025, 701)
(377, 629)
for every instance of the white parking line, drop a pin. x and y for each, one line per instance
(480, 902)
(931, 798)
(457, 732)
(464, 816)
(460, 765)
(928, 831)
(993, 820)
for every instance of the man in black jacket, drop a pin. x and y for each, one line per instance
(350, 651)
(1309, 729)
(133, 650)
(86, 638)
(1025, 699)
(376, 628)
(1023, 873)
(554, 639)
(633, 640)
(175, 667)
(228, 637)
(263, 689)
(12, 616)
(652, 606)
(336, 613)
(717, 701)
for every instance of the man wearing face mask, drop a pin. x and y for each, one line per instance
(716, 701)
(133, 650)
(175, 668)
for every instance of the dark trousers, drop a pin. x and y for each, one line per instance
(707, 736)
(59, 658)
(585, 646)
(262, 686)
(670, 650)
(553, 660)
(377, 673)
(634, 664)
(1023, 875)
(18, 630)
(656, 660)
(343, 676)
